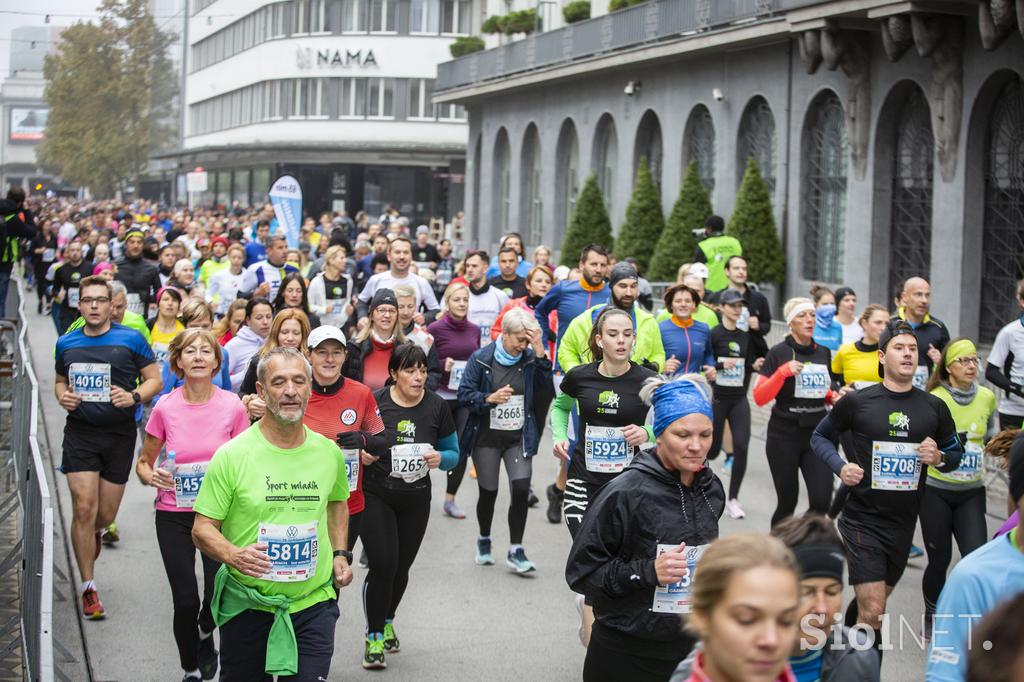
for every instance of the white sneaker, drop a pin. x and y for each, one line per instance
(734, 510)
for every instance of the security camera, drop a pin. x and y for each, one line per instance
(632, 87)
(717, 94)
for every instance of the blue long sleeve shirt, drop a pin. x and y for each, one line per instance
(568, 299)
(688, 344)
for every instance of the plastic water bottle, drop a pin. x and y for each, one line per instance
(168, 463)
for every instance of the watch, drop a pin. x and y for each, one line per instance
(136, 397)
(347, 555)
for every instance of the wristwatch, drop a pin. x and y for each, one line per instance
(136, 397)
(347, 555)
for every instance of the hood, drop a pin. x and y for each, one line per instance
(647, 461)
(247, 334)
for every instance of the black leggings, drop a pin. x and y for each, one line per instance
(456, 474)
(518, 469)
(393, 528)
(174, 535)
(947, 514)
(736, 410)
(789, 454)
(607, 664)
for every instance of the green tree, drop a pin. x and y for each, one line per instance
(677, 242)
(644, 219)
(753, 223)
(111, 89)
(589, 223)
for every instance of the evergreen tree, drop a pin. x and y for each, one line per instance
(677, 243)
(589, 224)
(644, 220)
(753, 223)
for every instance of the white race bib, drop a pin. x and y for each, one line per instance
(606, 450)
(921, 377)
(732, 378)
(894, 466)
(351, 469)
(485, 335)
(49, 255)
(455, 376)
(187, 479)
(675, 598)
(292, 549)
(811, 383)
(90, 380)
(134, 303)
(509, 416)
(162, 353)
(971, 463)
(73, 295)
(407, 461)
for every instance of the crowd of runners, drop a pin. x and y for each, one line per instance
(287, 399)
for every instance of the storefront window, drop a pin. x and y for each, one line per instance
(240, 193)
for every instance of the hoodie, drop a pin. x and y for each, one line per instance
(241, 348)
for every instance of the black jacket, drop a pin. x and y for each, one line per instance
(356, 351)
(13, 228)
(612, 558)
(139, 276)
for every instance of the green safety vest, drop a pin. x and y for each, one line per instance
(718, 250)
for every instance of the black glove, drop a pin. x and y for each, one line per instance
(351, 440)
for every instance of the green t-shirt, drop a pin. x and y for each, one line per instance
(260, 492)
(973, 420)
(718, 250)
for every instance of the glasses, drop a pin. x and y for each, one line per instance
(91, 300)
(968, 360)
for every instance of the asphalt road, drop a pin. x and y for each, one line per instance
(458, 621)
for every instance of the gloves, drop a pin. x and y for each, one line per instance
(351, 440)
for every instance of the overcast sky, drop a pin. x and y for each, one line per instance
(63, 13)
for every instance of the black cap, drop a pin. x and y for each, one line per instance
(730, 296)
(714, 223)
(843, 292)
(383, 297)
(895, 327)
(620, 271)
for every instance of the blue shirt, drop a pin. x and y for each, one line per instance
(127, 353)
(831, 337)
(689, 345)
(254, 253)
(569, 299)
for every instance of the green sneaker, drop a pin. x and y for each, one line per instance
(110, 534)
(373, 657)
(391, 644)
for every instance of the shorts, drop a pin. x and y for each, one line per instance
(876, 554)
(110, 450)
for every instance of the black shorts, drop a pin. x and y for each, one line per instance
(109, 450)
(875, 552)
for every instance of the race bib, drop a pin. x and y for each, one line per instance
(812, 382)
(49, 255)
(91, 380)
(338, 307)
(971, 463)
(187, 479)
(606, 450)
(894, 466)
(73, 295)
(921, 377)
(675, 598)
(455, 377)
(732, 378)
(292, 549)
(485, 335)
(351, 469)
(162, 353)
(134, 303)
(407, 461)
(510, 416)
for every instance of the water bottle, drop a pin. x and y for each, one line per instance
(168, 463)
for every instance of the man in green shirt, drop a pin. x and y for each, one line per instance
(272, 508)
(715, 250)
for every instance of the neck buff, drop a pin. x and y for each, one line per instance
(824, 316)
(675, 399)
(502, 356)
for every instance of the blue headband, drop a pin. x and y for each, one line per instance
(679, 398)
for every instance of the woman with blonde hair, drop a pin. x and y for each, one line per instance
(290, 329)
(227, 326)
(369, 353)
(330, 292)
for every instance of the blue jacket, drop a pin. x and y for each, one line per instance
(476, 385)
(569, 299)
(689, 345)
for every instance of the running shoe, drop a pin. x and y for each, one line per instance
(110, 534)
(734, 510)
(483, 553)
(391, 644)
(517, 561)
(92, 608)
(207, 658)
(189, 677)
(533, 500)
(727, 466)
(916, 552)
(452, 510)
(554, 504)
(373, 656)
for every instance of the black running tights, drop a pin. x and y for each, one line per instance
(790, 456)
(456, 474)
(948, 514)
(735, 410)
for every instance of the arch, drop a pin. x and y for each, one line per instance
(567, 176)
(605, 159)
(477, 160)
(502, 180)
(530, 186)
(699, 145)
(648, 145)
(757, 139)
(823, 189)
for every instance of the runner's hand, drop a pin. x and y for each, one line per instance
(561, 450)
(933, 354)
(366, 459)
(928, 452)
(671, 567)
(448, 364)
(70, 400)
(120, 397)
(758, 364)
(251, 560)
(634, 435)
(162, 479)
(342, 572)
(754, 323)
(851, 474)
(672, 365)
(501, 396)
(419, 319)
(350, 440)
(262, 290)
(432, 458)
(710, 373)
(729, 363)
(795, 367)
(362, 323)
(256, 407)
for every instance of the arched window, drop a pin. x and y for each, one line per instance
(606, 159)
(529, 170)
(1003, 230)
(823, 201)
(910, 238)
(567, 180)
(699, 141)
(648, 145)
(757, 140)
(477, 162)
(502, 180)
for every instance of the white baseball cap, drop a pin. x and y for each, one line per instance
(699, 269)
(324, 333)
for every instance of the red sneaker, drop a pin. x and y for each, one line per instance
(92, 608)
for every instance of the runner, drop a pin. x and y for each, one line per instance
(225, 283)
(274, 598)
(499, 385)
(827, 331)
(263, 278)
(399, 254)
(634, 552)
(190, 422)
(195, 314)
(165, 326)
(846, 315)
(227, 326)
(716, 249)
(416, 333)
(259, 316)
(139, 274)
(119, 312)
(735, 358)
(419, 428)
(703, 312)
(217, 261)
(796, 375)
(98, 369)
(512, 240)
(889, 431)
(507, 280)
(44, 252)
(1005, 368)
(856, 363)
(369, 353)
(66, 281)
(932, 335)
(331, 291)
(954, 502)
(485, 301)
(289, 330)
(455, 338)
(757, 314)
(685, 339)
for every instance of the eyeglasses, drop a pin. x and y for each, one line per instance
(90, 300)
(968, 360)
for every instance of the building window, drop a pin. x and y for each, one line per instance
(278, 27)
(380, 97)
(451, 112)
(425, 16)
(757, 141)
(648, 146)
(502, 180)
(309, 98)
(382, 16)
(823, 207)
(910, 245)
(420, 92)
(1002, 233)
(567, 180)
(240, 193)
(455, 16)
(700, 145)
(352, 98)
(530, 186)
(308, 16)
(606, 154)
(353, 16)
(274, 100)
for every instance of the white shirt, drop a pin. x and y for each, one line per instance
(224, 287)
(852, 332)
(484, 309)
(263, 271)
(386, 280)
(1009, 349)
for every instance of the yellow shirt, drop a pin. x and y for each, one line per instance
(856, 364)
(161, 342)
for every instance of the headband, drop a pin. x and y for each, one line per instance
(820, 561)
(675, 399)
(802, 307)
(959, 349)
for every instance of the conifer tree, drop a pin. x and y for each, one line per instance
(677, 242)
(753, 223)
(644, 220)
(589, 224)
